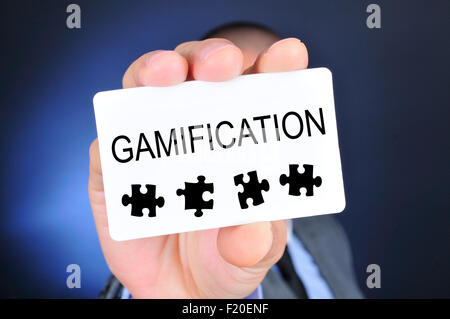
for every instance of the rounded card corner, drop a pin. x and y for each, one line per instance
(341, 206)
(115, 236)
(326, 71)
(97, 97)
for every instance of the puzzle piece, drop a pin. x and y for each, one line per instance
(139, 200)
(193, 195)
(253, 189)
(297, 180)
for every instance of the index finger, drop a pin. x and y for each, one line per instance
(156, 68)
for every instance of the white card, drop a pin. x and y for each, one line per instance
(206, 133)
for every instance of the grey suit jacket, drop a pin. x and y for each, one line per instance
(327, 243)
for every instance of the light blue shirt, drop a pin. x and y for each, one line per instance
(315, 285)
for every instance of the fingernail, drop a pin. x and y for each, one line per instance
(212, 49)
(152, 57)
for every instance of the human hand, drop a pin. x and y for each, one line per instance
(217, 263)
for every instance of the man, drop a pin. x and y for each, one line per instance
(234, 262)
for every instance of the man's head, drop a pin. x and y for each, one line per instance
(253, 39)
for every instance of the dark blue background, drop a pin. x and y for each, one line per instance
(392, 99)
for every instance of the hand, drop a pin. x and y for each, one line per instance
(218, 263)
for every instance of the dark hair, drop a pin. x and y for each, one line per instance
(237, 24)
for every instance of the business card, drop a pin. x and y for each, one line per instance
(202, 155)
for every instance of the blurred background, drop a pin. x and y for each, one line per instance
(392, 102)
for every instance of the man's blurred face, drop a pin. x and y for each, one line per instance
(251, 40)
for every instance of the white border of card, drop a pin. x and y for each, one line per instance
(191, 142)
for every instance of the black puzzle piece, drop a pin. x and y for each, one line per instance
(193, 195)
(298, 180)
(139, 200)
(252, 189)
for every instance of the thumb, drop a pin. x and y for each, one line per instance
(257, 245)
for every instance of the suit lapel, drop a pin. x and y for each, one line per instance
(326, 241)
(274, 287)
(318, 235)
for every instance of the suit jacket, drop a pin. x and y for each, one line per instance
(325, 240)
